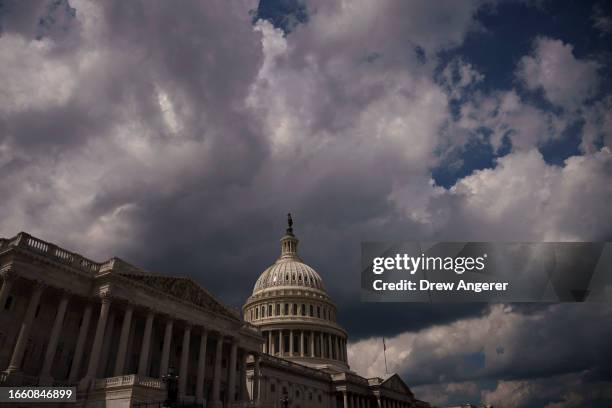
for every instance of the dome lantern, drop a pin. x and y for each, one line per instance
(289, 242)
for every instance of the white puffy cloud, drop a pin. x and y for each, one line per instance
(523, 198)
(458, 76)
(505, 115)
(454, 359)
(566, 80)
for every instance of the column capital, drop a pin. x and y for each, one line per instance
(105, 297)
(39, 285)
(165, 317)
(9, 275)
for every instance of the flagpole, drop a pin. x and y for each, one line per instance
(385, 353)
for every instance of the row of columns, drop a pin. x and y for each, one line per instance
(119, 366)
(354, 400)
(293, 309)
(330, 346)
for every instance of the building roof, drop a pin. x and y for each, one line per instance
(289, 270)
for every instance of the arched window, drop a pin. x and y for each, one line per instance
(295, 309)
(303, 309)
(278, 309)
(311, 311)
(270, 310)
(256, 313)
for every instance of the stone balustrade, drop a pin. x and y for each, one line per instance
(128, 380)
(23, 240)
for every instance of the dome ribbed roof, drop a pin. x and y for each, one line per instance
(289, 270)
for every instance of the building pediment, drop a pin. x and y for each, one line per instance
(395, 383)
(184, 289)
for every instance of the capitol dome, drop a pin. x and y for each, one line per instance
(289, 271)
(294, 312)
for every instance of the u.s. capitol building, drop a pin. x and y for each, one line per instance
(113, 331)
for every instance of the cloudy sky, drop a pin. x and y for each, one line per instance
(177, 135)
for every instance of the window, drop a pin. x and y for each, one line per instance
(295, 309)
(297, 393)
(286, 308)
(278, 309)
(269, 310)
(311, 311)
(257, 313)
(319, 312)
(37, 311)
(303, 310)
(320, 399)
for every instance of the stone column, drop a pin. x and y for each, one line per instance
(312, 343)
(345, 399)
(322, 349)
(330, 355)
(242, 377)
(281, 343)
(264, 346)
(123, 341)
(80, 345)
(256, 378)
(301, 343)
(45, 373)
(268, 344)
(8, 278)
(201, 368)
(143, 362)
(290, 342)
(165, 358)
(272, 345)
(96, 348)
(216, 388)
(182, 381)
(337, 348)
(24, 331)
(106, 345)
(378, 402)
(231, 384)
